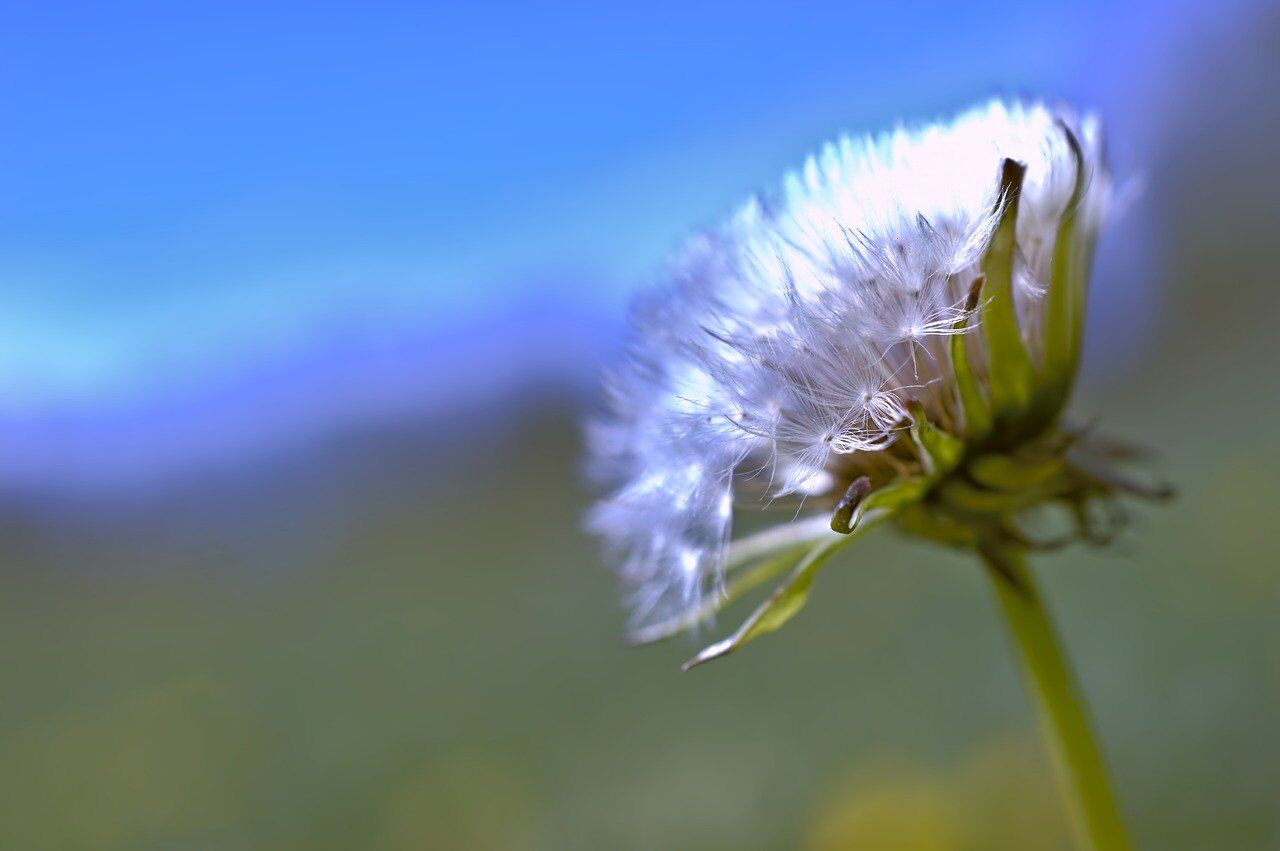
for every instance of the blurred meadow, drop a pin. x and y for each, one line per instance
(300, 313)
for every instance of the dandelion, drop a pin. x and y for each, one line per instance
(891, 338)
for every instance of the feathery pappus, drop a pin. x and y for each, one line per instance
(899, 323)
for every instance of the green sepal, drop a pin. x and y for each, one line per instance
(921, 521)
(739, 584)
(1013, 474)
(975, 413)
(892, 497)
(939, 451)
(797, 534)
(789, 597)
(751, 562)
(1009, 367)
(979, 501)
(1064, 311)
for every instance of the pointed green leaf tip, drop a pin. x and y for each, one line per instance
(1009, 368)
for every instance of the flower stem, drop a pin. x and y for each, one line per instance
(1074, 751)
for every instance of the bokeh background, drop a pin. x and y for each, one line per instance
(301, 306)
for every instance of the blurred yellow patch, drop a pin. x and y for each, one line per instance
(1011, 801)
(1000, 797)
(891, 807)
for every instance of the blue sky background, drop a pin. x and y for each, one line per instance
(224, 226)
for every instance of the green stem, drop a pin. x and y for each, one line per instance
(1072, 746)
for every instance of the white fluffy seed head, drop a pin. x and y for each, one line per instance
(783, 349)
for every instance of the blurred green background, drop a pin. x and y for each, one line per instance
(397, 637)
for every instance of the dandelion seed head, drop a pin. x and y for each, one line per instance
(781, 352)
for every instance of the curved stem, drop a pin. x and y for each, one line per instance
(1074, 751)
